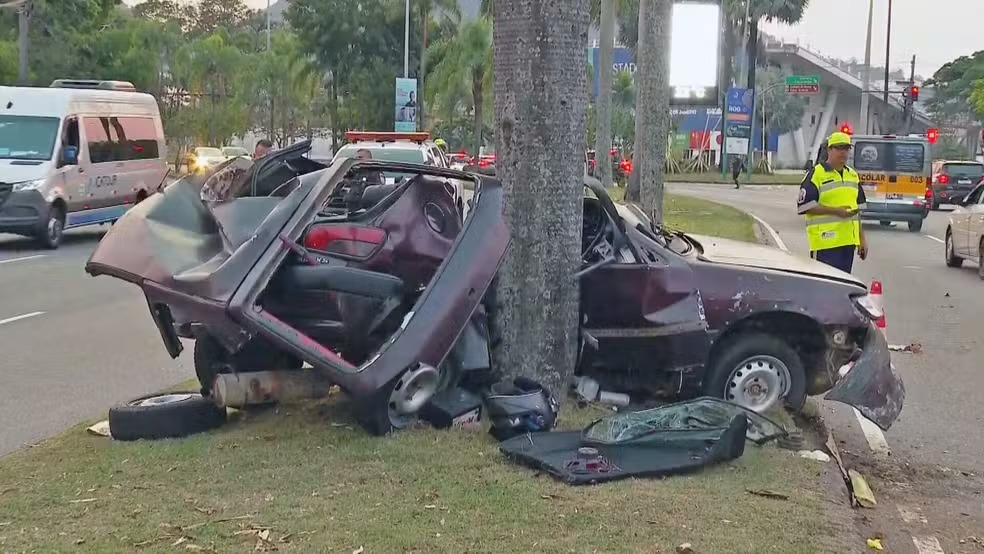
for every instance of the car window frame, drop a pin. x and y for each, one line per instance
(977, 190)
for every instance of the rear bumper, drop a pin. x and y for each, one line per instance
(883, 211)
(871, 384)
(23, 212)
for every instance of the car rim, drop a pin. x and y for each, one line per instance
(758, 383)
(414, 389)
(163, 399)
(949, 247)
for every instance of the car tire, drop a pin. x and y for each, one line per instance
(935, 205)
(952, 260)
(915, 226)
(50, 236)
(756, 351)
(374, 414)
(163, 416)
(980, 260)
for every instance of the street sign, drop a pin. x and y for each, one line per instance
(803, 84)
(738, 119)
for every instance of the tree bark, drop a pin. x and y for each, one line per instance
(478, 100)
(540, 101)
(421, 115)
(632, 191)
(603, 108)
(652, 104)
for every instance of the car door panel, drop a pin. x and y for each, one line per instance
(961, 225)
(975, 228)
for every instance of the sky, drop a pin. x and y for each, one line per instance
(935, 31)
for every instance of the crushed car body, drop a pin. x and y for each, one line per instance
(368, 272)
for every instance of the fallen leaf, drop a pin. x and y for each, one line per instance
(8, 489)
(181, 540)
(172, 468)
(685, 548)
(768, 494)
(264, 534)
(429, 507)
(82, 501)
(79, 541)
(359, 550)
(193, 547)
(875, 544)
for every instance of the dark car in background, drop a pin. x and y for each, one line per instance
(954, 180)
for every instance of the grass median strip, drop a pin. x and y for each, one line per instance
(308, 479)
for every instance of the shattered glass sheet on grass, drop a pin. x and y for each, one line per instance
(692, 416)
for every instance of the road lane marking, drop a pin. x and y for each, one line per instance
(927, 545)
(941, 241)
(21, 259)
(872, 434)
(19, 317)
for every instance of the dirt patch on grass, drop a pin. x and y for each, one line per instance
(307, 479)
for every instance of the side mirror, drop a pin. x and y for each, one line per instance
(70, 155)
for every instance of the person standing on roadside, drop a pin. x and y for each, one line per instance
(262, 148)
(831, 198)
(736, 166)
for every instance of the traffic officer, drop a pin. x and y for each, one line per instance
(831, 198)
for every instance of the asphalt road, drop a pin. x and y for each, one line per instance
(932, 448)
(71, 345)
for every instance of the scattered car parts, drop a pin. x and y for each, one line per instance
(162, 416)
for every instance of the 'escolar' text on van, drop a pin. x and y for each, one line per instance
(76, 153)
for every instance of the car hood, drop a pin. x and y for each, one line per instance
(17, 171)
(737, 253)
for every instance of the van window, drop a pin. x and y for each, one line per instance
(27, 137)
(120, 139)
(889, 157)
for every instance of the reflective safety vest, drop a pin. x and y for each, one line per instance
(836, 190)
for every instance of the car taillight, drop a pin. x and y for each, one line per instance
(483, 163)
(943, 179)
(929, 191)
(347, 240)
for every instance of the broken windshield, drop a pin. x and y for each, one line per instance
(698, 415)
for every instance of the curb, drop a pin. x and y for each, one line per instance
(767, 234)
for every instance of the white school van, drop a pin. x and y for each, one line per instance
(76, 153)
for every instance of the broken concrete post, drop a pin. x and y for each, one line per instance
(237, 390)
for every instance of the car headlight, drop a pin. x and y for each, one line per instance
(33, 184)
(869, 306)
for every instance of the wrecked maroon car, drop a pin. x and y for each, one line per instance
(381, 289)
(674, 314)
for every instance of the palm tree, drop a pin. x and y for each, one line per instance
(463, 73)
(784, 11)
(652, 107)
(603, 12)
(444, 10)
(540, 101)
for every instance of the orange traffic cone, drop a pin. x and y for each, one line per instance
(875, 292)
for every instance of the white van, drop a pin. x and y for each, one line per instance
(76, 153)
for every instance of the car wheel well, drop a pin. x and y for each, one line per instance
(60, 204)
(802, 333)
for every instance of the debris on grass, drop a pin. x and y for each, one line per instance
(100, 429)
(831, 445)
(816, 455)
(863, 492)
(875, 544)
(768, 494)
(685, 548)
(82, 501)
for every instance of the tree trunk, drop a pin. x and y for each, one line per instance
(752, 57)
(540, 101)
(421, 115)
(632, 191)
(478, 100)
(652, 104)
(603, 110)
(333, 114)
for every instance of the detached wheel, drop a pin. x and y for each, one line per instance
(952, 260)
(165, 416)
(50, 236)
(757, 371)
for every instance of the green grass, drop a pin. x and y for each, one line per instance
(317, 483)
(715, 177)
(702, 217)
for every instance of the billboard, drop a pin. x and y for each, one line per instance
(738, 120)
(695, 52)
(406, 105)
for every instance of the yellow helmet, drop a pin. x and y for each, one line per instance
(839, 139)
(440, 142)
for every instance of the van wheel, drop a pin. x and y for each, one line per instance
(141, 196)
(50, 236)
(915, 226)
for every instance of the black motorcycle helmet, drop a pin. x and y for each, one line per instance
(518, 407)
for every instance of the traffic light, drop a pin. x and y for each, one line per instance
(932, 135)
(846, 129)
(914, 93)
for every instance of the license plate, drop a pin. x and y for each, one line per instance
(894, 196)
(870, 186)
(963, 182)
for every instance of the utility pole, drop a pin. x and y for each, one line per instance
(268, 24)
(23, 8)
(406, 42)
(910, 103)
(863, 120)
(888, 50)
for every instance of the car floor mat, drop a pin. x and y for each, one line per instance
(664, 452)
